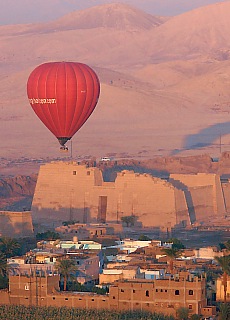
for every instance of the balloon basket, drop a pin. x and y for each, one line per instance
(64, 149)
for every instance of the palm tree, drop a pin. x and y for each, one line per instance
(182, 313)
(3, 271)
(3, 264)
(224, 263)
(9, 246)
(224, 311)
(176, 243)
(172, 253)
(195, 316)
(66, 268)
(227, 245)
(129, 220)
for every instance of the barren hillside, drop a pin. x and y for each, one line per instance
(203, 31)
(17, 193)
(115, 15)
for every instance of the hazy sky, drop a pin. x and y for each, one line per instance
(26, 11)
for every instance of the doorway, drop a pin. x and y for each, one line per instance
(102, 209)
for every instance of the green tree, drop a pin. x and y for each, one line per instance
(172, 253)
(129, 220)
(224, 263)
(195, 317)
(224, 311)
(3, 264)
(3, 271)
(68, 222)
(176, 243)
(227, 245)
(222, 246)
(182, 313)
(48, 235)
(143, 237)
(9, 246)
(66, 269)
(212, 275)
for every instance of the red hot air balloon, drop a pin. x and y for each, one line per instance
(63, 95)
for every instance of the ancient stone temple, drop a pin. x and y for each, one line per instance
(204, 195)
(68, 191)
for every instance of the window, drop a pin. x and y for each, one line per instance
(190, 306)
(113, 297)
(74, 173)
(134, 291)
(66, 298)
(161, 290)
(190, 292)
(53, 298)
(92, 299)
(27, 287)
(166, 290)
(88, 173)
(156, 290)
(147, 293)
(122, 290)
(177, 292)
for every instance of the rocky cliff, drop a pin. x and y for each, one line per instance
(16, 193)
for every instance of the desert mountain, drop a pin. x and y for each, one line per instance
(116, 15)
(164, 86)
(198, 32)
(107, 34)
(89, 35)
(18, 191)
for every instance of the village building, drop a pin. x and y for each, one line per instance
(87, 256)
(161, 295)
(89, 231)
(220, 289)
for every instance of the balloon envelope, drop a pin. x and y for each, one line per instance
(63, 95)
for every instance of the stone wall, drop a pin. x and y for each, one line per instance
(16, 224)
(68, 191)
(226, 192)
(62, 193)
(204, 195)
(162, 295)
